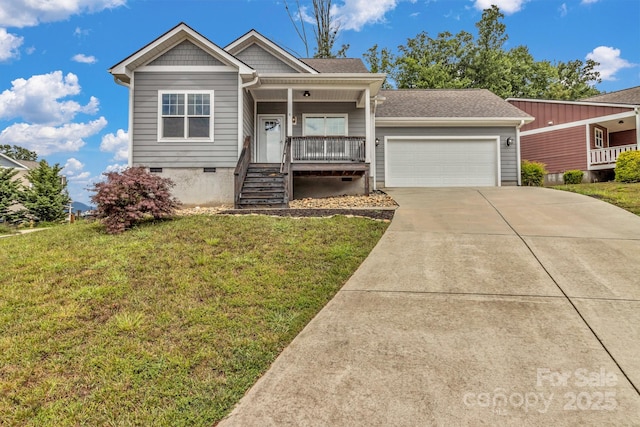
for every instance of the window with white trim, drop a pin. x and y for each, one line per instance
(325, 124)
(598, 137)
(185, 115)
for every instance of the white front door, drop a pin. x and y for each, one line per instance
(271, 138)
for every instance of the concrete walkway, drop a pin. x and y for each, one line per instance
(498, 306)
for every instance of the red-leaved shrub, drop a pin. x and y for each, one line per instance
(129, 196)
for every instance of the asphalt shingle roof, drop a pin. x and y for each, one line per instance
(446, 103)
(336, 65)
(627, 96)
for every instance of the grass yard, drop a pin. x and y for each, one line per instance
(167, 324)
(626, 196)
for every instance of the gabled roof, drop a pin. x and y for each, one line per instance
(336, 65)
(21, 165)
(447, 105)
(181, 32)
(629, 96)
(254, 37)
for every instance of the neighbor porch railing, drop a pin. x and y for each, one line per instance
(608, 156)
(328, 149)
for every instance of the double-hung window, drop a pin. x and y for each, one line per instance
(185, 115)
(598, 137)
(325, 125)
(324, 137)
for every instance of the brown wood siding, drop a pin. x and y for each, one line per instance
(559, 113)
(560, 150)
(626, 137)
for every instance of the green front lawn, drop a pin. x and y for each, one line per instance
(167, 324)
(626, 196)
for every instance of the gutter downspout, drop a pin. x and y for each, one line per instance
(518, 158)
(255, 81)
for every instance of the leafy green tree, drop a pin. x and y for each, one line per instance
(18, 153)
(9, 191)
(460, 61)
(46, 198)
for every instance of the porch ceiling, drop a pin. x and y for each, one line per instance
(628, 123)
(316, 95)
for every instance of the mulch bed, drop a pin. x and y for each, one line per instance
(380, 214)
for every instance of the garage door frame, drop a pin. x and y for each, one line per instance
(390, 138)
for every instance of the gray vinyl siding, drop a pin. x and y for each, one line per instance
(247, 119)
(186, 53)
(4, 163)
(508, 155)
(148, 151)
(262, 61)
(356, 117)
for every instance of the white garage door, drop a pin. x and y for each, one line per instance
(441, 162)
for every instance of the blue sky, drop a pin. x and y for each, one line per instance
(57, 98)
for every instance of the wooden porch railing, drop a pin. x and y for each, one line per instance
(240, 172)
(606, 156)
(285, 169)
(328, 149)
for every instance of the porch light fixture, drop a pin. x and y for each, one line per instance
(306, 94)
(377, 141)
(509, 142)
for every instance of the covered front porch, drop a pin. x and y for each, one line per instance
(313, 128)
(608, 139)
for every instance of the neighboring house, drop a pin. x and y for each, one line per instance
(588, 135)
(253, 124)
(22, 166)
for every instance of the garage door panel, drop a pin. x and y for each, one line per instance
(441, 163)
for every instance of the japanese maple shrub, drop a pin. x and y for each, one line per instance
(127, 197)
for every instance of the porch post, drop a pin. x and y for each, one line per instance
(367, 124)
(289, 112)
(635, 110)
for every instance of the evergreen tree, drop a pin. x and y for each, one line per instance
(9, 191)
(46, 198)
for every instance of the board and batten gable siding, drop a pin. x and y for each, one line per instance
(262, 61)
(560, 150)
(356, 116)
(508, 155)
(186, 54)
(558, 113)
(149, 151)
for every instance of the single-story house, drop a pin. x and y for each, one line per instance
(587, 135)
(253, 124)
(22, 166)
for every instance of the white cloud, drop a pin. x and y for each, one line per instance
(37, 100)
(81, 32)
(81, 177)
(563, 9)
(506, 6)
(84, 59)
(72, 166)
(589, 1)
(9, 45)
(118, 144)
(28, 13)
(355, 14)
(610, 61)
(117, 167)
(50, 139)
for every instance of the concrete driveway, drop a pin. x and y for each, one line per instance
(497, 306)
